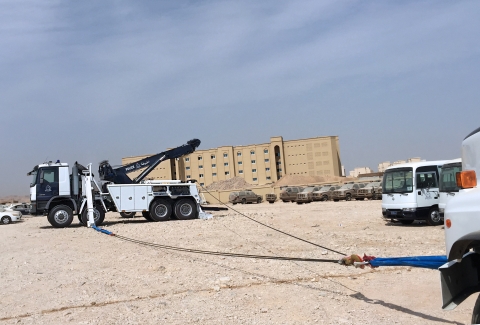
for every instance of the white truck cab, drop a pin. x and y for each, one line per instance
(460, 277)
(410, 192)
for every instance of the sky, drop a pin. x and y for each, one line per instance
(92, 80)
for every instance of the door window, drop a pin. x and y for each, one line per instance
(426, 180)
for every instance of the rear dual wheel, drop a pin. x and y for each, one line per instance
(98, 216)
(161, 210)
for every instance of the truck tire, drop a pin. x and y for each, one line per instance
(434, 218)
(60, 216)
(161, 210)
(324, 198)
(348, 197)
(98, 216)
(244, 201)
(6, 220)
(476, 312)
(185, 209)
(259, 200)
(127, 214)
(147, 216)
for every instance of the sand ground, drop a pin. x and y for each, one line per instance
(79, 276)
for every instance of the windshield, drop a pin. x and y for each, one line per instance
(325, 188)
(346, 186)
(33, 179)
(448, 182)
(308, 189)
(374, 184)
(398, 180)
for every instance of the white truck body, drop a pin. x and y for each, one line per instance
(410, 192)
(460, 277)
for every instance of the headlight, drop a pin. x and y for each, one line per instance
(409, 209)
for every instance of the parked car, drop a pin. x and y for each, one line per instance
(271, 197)
(8, 216)
(347, 192)
(305, 196)
(23, 208)
(370, 191)
(244, 197)
(289, 194)
(325, 193)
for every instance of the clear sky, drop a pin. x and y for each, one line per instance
(93, 80)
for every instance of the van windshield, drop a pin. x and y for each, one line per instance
(398, 180)
(448, 182)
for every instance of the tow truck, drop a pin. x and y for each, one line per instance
(460, 277)
(60, 195)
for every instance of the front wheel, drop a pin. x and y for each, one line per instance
(185, 209)
(160, 210)
(476, 312)
(244, 201)
(60, 216)
(259, 199)
(434, 218)
(146, 215)
(348, 197)
(6, 220)
(98, 216)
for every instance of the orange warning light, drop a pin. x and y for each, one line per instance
(466, 179)
(448, 223)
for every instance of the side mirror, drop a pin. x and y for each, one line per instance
(41, 177)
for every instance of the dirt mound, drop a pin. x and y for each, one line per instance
(236, 183)
(301, 180)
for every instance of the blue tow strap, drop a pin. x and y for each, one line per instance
(429, 262)
(102, 230)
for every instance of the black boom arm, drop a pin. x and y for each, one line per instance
(119, 175)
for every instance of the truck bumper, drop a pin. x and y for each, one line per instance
(459, 280)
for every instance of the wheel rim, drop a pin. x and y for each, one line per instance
(61, 216)
(96, 215)
(186, 209)
(435, 216)
(5, 220)
(161, 210)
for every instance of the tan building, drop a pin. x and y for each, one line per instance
(257, 163)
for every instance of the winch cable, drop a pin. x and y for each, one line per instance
(198, 251)
(275, 229)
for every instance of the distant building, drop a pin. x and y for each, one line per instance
(384, 165)
(258, 164)
(360, 170)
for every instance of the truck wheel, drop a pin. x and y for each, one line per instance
(348, 197)
(127, 214)
(244, 201)
(146, 215)
(434, 218)
(476, 312)
(185, 209)
(271, 202)
(259, 200)
(6, 220)
(98, 216)
(60, 216)
(325, 198)
(160, 210)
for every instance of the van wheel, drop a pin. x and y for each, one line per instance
(60, 216)
(98, 216)
(146, 215)
(185, 209)
(434, 218)
(476, 312)
(160, 210)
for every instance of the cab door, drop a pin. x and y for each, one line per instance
(47, 186)
(427, 190)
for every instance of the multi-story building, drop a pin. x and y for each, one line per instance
(360, 170)
(257, 163)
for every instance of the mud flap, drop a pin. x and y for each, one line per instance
(459, 280)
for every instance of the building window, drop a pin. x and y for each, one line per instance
(212, 156)
(201, 175)
(252, 152)
(187, 159)
(225, 164)
(214, 174)
(214, 165)
(225, 155)
(239, 154)
(188, 176)
(200, 166)
(268, 178)
(240, 171)
(265, 151)
(227, 173)
(279, 170)
(187, 168)
(267, 169)
(254, 179)
(267, 160)
(253, 161)
(254, 170)
(200, 158)
(240, 163)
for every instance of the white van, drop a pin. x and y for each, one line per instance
(411, 192)
(448, 183)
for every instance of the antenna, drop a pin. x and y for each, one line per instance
(45, 161)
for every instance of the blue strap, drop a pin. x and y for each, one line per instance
(102, 230)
